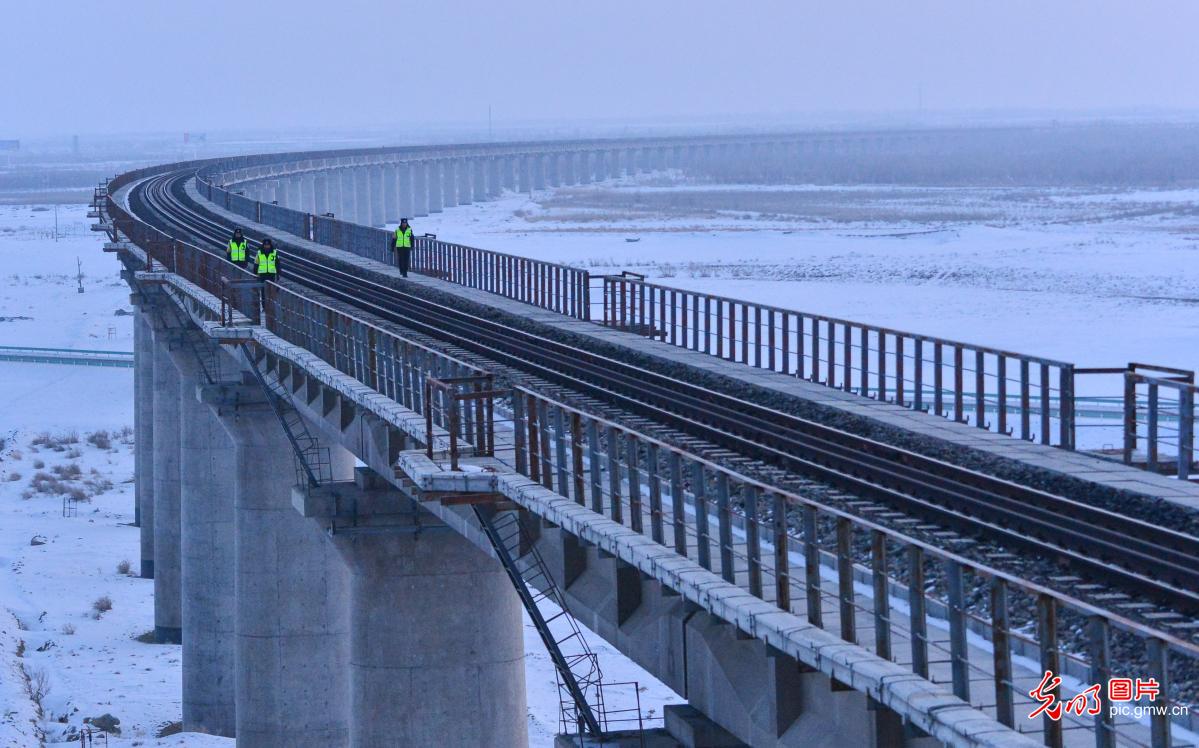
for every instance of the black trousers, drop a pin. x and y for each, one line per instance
(403, 255)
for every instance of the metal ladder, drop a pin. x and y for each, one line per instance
(580, 691)
(312, 460)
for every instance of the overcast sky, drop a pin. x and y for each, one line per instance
(89, 66)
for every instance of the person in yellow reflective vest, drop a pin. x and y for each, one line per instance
(237, 248)
(267, 261)
(403, 247)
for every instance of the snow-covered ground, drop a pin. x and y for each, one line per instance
(85, 663)
(1099, 277)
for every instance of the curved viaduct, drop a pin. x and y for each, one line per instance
(367, 607)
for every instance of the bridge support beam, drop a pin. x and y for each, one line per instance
(526, 173)
(478, 168)
(143, 437)
(206, 479)
(449, 183)
(437, 650)
(291, 588)
(168, 613)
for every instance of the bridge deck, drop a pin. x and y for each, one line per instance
(1081, 466)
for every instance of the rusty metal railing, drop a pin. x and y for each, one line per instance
(806, 557)
(1032, 397)
(468, 408)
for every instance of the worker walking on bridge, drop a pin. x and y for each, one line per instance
(403, 246)
(237, 248)
(268, 261)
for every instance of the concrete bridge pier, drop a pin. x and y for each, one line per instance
(290, 591)
(206, 485)
(508, 175)
(462, 181)
(437, 650)
(554, 169)
(569, 171)
(494, 187)
(168, 611)
(378, 201)
(391, 194)
(320, 193)
(449, 183)
(362, 195)
(143, 432)
(525, 173)
(308, 193)
(538, 172)
(345, 194)
(435, 185)
(479, 177)
(420, 188)
(404, 188)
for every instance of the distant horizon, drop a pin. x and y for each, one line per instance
(837, 120)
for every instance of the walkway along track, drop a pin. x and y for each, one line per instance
(1148, 560)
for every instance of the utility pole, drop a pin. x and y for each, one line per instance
(55, 221)
(489, 137)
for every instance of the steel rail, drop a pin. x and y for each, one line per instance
(1148, 559)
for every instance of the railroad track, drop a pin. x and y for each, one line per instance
(1156, 562)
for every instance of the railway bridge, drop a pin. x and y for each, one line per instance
(816, 531)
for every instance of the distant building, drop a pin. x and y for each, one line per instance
(10, 145)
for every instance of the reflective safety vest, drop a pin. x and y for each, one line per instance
(404, 238)
(266, 262)
(237, 250)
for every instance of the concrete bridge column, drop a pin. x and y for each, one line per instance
(404, 188)
(320, 193)
(435, 184)
(291, 594)
(508, 180)
(345, 194)
(168, 612)
(525, 169)
(553, 174)
(143, 435)
(206, 476)
(538, 172)
(449, 182)
(479, 177)
(437, 651)
(586, 167)
(308, 193)
(465, 186)
(362, 195)
(601, 165)
(295, 197)
(378, 204)
(391, 194)
(420, 188)
(493, 178)
(569, 169)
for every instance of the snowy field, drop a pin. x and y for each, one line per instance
(1098, 277)
(56, 641)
